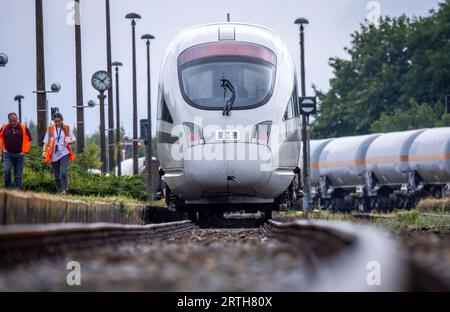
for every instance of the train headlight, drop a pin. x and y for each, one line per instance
(194, 134)
(261, 133)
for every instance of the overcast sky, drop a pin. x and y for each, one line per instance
(331, 23)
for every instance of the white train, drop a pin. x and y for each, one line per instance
(228, 120)
(381, 171)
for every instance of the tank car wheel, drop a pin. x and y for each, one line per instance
(298, 204)
(378, 206)
(266, 213)
(171, 199)
(192, 215)
(406, 203)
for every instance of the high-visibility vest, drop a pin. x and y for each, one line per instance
(26, 144)
(51, 143)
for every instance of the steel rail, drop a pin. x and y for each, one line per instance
(346, 256)
(24, 243)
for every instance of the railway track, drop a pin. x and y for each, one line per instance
(346, 256)
(330, 256)
(23, 243)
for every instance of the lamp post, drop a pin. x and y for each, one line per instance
(119, 146)
(111, 139)
(305, 122)
(147, 38)
(19, 99)
(133, 17)
(79, 79)
(41, 100)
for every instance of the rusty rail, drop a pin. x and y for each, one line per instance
(346, 257)
(24, 243)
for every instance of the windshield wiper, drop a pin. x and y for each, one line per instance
(226, 84)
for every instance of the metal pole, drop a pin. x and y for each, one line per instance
(110, 91)
(41, 97)
(19, 99)
(102, 97)
(79, 80)
(305, 125)
(148, 153)
(149, 117)
(119, 147)
(20, 110)
(135, 125)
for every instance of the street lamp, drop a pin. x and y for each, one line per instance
(79, 79)
(149, 37)
(111, 140)
(90, 104)
(41, 97)
(305, 122)
(19, 99)
(119, 147)
(133, 17)
(54, 88)
(3, 59)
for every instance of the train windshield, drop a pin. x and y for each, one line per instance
(249, 68)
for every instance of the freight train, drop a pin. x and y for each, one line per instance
(380, 171)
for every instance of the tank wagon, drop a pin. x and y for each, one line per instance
(380, 171)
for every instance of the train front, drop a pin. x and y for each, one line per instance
(223, 132)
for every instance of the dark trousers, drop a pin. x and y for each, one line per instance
(11, 160)
(60, 170)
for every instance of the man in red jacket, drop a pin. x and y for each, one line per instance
(15, 140)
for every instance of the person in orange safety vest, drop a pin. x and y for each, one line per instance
(15, 141)
(57, 151)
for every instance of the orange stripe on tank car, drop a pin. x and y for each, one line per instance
(390, 159)
(341, 163)
(430, 157)
(377, 160)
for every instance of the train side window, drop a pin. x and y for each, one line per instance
(163, 111)
(289, 113)
(295, 101)
(292, 109)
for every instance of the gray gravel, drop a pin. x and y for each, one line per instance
(202, 260)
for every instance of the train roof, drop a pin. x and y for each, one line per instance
(212, 32)
(229, 24)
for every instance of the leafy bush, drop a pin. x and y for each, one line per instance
(38, 177)
(89, 158)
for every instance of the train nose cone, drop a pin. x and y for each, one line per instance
(234, 169)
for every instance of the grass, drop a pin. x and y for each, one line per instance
(103, 199)
(428, 214)
(123, 201)
(434, 205)
(416, 219)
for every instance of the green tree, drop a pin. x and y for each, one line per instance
(395, 78)
(417, 116)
